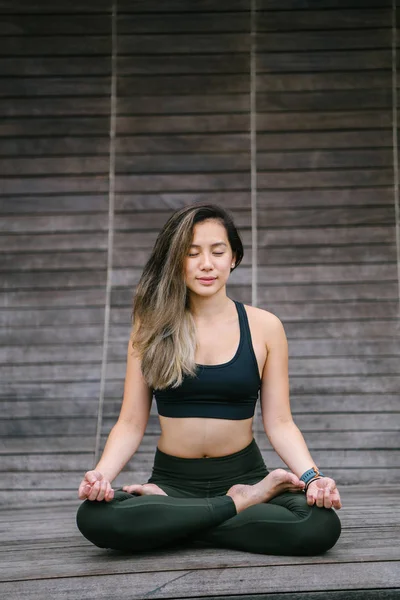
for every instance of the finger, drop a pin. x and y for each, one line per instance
(320, 497)
(137, 488)
(84, 491)
(294, 480)
(311, 497)
(94, 491)
(327, 498)
(102, 490)
(336, 501)
(109, 494)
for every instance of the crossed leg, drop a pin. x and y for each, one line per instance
(248, 519)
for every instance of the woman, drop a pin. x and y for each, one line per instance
(206, 358)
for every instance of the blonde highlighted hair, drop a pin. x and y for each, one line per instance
(163, 328)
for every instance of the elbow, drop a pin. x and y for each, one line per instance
(277, 427)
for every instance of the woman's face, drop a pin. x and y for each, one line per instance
(209, 260)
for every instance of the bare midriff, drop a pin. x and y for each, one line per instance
(202, 437)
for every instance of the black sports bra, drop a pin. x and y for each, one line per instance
(227, 391)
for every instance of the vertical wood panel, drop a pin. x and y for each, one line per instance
(54, 156)
(182, 136)
(325, 159)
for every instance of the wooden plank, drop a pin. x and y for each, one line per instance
(47, 145)
(163, 42)
(175, 104)
(328, 100)
(61, 87)
(348, 18)
(180, 142)
(49, 443)
(55, 223)
(83, 560)
(84, 353)
(199, 163)
(177, 6)
(186, 583)
(48, 335)
(56, 280)
(61, 426)
(288, 140)
(47, 6)
(346, 119)
(238, 22)
(267, 275)
(23, 24)
(60, 66)
(49, 107)
(54, 166)
(61, 260)
(49, 45)
(323, 61)
(326, 4)
(74, 203)
(234, 62)
(183, 123)
(82, 389)
(188, 84)
(68, 407)
(310, 39)
(56, 184)
(55, 241)
(323, 159)
(48, 316)
(348, 254)
(50, 298)
(286, 82)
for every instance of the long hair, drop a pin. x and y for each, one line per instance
(164, 333)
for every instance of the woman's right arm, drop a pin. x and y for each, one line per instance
(126, 435)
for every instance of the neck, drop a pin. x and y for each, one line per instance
(209, 308)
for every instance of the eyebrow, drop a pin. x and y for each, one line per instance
(212, 245)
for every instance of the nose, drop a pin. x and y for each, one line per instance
(206, 262)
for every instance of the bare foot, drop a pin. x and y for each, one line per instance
(275, 483)
(145, 489)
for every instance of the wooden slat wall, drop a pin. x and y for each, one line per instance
(55, 69)
(326, 215)
(325, 212)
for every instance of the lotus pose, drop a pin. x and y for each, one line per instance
(207, 359)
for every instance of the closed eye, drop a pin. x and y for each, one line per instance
(215, 254)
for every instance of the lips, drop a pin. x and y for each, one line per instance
(206, 278)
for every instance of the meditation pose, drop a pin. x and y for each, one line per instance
(207, 359)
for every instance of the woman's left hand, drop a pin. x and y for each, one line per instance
(324, 493)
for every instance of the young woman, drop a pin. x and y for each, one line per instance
(207, 359)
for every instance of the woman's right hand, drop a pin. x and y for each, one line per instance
(95, 487)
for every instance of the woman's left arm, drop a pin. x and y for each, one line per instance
(279, 426)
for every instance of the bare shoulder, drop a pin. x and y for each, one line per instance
(266, 322)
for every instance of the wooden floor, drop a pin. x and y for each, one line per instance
(44, 556)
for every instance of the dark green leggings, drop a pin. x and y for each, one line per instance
(197, 509)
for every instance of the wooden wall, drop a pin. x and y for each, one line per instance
(74, 240)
